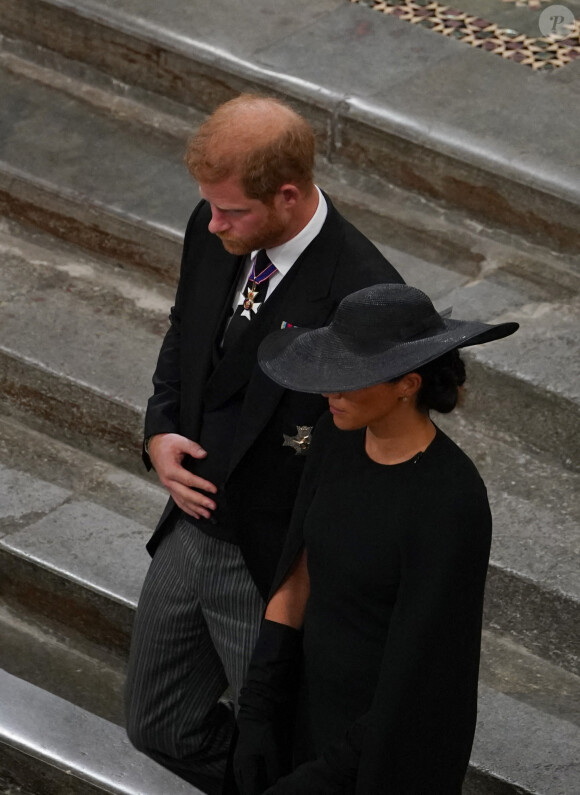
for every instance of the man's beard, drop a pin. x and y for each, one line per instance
(269, 236)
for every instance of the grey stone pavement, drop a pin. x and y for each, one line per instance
(399, 77)
(82, 753)
(454, 113)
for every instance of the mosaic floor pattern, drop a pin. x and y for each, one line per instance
(542, 53)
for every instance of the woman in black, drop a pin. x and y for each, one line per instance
(364, 679)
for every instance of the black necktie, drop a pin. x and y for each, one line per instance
(251, 299)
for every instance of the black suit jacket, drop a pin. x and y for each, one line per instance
(263, 475)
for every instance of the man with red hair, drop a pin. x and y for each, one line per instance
(264, 249)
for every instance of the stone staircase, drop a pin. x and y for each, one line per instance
(98, 98)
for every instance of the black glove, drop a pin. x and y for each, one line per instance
(312, 778)
(266, 717)
(334, 772)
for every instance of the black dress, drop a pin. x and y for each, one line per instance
(397, 558)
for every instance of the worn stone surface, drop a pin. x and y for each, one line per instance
(454, 133)
(71, 411)
(75, 472)
(72, 741)
(51, 574)
(477, 114)
(545, 544)
(87, 676)
(257, 23)
(391, 103)
(529, 385)
(77, 345)
(438, 282)
(65, 606)
(511, 669)
(22, 495)
(532, 589)
(76, 152)
(75, 327)
(519, 735)
(547, 348)
(90, 545)
(342, 52)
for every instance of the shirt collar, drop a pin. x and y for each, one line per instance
(284, 256)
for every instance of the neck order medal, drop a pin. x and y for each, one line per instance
(248, 301)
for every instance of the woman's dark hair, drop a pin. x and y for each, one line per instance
(441, 381)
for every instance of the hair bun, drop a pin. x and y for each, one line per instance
(442, 379)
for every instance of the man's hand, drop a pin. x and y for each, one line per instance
(166, 451)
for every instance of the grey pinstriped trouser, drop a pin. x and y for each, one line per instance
(194, 632)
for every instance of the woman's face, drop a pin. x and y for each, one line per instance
(362, 407)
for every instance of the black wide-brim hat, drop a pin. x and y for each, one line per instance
(377, 334)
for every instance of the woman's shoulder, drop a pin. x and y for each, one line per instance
(450, 476)
(457, 461)
(450, 495)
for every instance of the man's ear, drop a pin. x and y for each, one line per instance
(290, 194)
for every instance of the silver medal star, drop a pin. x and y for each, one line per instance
(301, 441)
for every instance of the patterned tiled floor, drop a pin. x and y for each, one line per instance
(542, 53)
(529, 3)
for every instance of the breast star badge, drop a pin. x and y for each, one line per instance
(301, 441)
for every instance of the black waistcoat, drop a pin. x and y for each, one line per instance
(224, 396)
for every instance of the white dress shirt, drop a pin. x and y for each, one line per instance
(284, 256)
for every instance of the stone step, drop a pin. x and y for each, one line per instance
(374, 104)
(98, 162)
(91, 178)
(524, 745)
(73, 531)
(89, 208)
(65, 370)
(524, 704)
(145, 189)
(529, 386)
(48, 745)
(81, 521)
(519, 750)
(72, 561)
(532, 591)
(79, 569)
(81, 671)
(78, 344)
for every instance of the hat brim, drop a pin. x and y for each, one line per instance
(318, 360)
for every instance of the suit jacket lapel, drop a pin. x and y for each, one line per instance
(226, 308)
(302, 293)
(307, 298)
(209, 299)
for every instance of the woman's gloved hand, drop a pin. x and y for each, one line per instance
(266, 715)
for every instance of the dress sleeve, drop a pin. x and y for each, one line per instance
(419, 730)
(417, 735)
